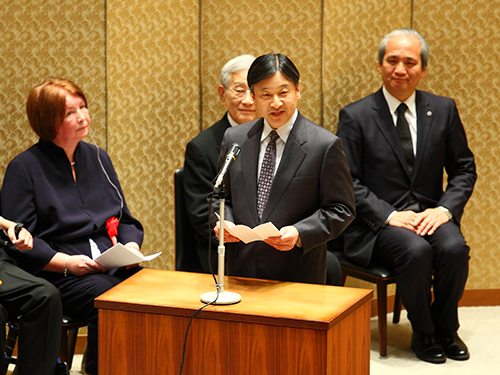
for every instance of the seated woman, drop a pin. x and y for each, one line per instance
(64, 191)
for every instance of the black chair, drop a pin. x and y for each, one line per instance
(69, 335)
(186, 257)
(380, 276)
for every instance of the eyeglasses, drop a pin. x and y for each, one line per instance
(239, 93)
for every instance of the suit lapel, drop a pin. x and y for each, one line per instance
(223, 126)
(424, 121)
(383, 118)
(292, 158)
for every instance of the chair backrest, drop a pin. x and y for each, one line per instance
(186, 257)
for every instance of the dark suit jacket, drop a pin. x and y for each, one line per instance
(39, 190)
(312, 190)
(381, 180)
(200, 168)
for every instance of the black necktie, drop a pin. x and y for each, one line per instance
(266, 173)
(405, 137)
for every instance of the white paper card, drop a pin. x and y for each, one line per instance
(120, 256)
(247, 234)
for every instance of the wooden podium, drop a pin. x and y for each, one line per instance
(279, 328)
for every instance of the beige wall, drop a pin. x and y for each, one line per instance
(150, 68)
(235, 27)
(153, 89)
(38, 40)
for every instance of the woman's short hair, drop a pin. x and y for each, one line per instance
(46, 106)
(266, 65)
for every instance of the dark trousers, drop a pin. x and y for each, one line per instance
(78, 294)
(37, 304)
(440, 261)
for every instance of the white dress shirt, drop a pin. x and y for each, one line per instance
(410, 114)
(283, 133)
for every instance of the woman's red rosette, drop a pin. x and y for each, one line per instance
(112, 227)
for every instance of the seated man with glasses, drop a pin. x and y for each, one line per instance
(202, 152)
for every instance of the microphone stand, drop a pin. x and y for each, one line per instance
(224, 297)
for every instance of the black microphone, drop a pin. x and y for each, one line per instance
(231, 156)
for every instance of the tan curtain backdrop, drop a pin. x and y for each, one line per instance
(150, 69)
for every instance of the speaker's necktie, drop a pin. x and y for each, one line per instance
(266, 173)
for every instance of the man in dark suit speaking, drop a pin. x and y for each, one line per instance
(290, 172)
(202, 152)
(398, 141)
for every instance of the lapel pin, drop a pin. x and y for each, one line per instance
(429, 113)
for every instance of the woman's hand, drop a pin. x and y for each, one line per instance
(81, 265)
(134, 247)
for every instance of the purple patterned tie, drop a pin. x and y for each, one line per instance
(266, 173)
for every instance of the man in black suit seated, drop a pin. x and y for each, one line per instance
(202, 152)
(33, 302)
(398, 142)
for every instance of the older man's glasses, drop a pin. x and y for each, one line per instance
(239, 93)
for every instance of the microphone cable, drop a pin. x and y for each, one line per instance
(107, 177)
(189, 325)
(215, 280)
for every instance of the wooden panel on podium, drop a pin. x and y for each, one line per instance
(277, 328)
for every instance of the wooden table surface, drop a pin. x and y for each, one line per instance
(274, 302)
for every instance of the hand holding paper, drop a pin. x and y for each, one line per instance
(289, 238)
(247, 234)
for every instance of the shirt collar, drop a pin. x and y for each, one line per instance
(231, 121)
(394, 103)
(283, 131)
